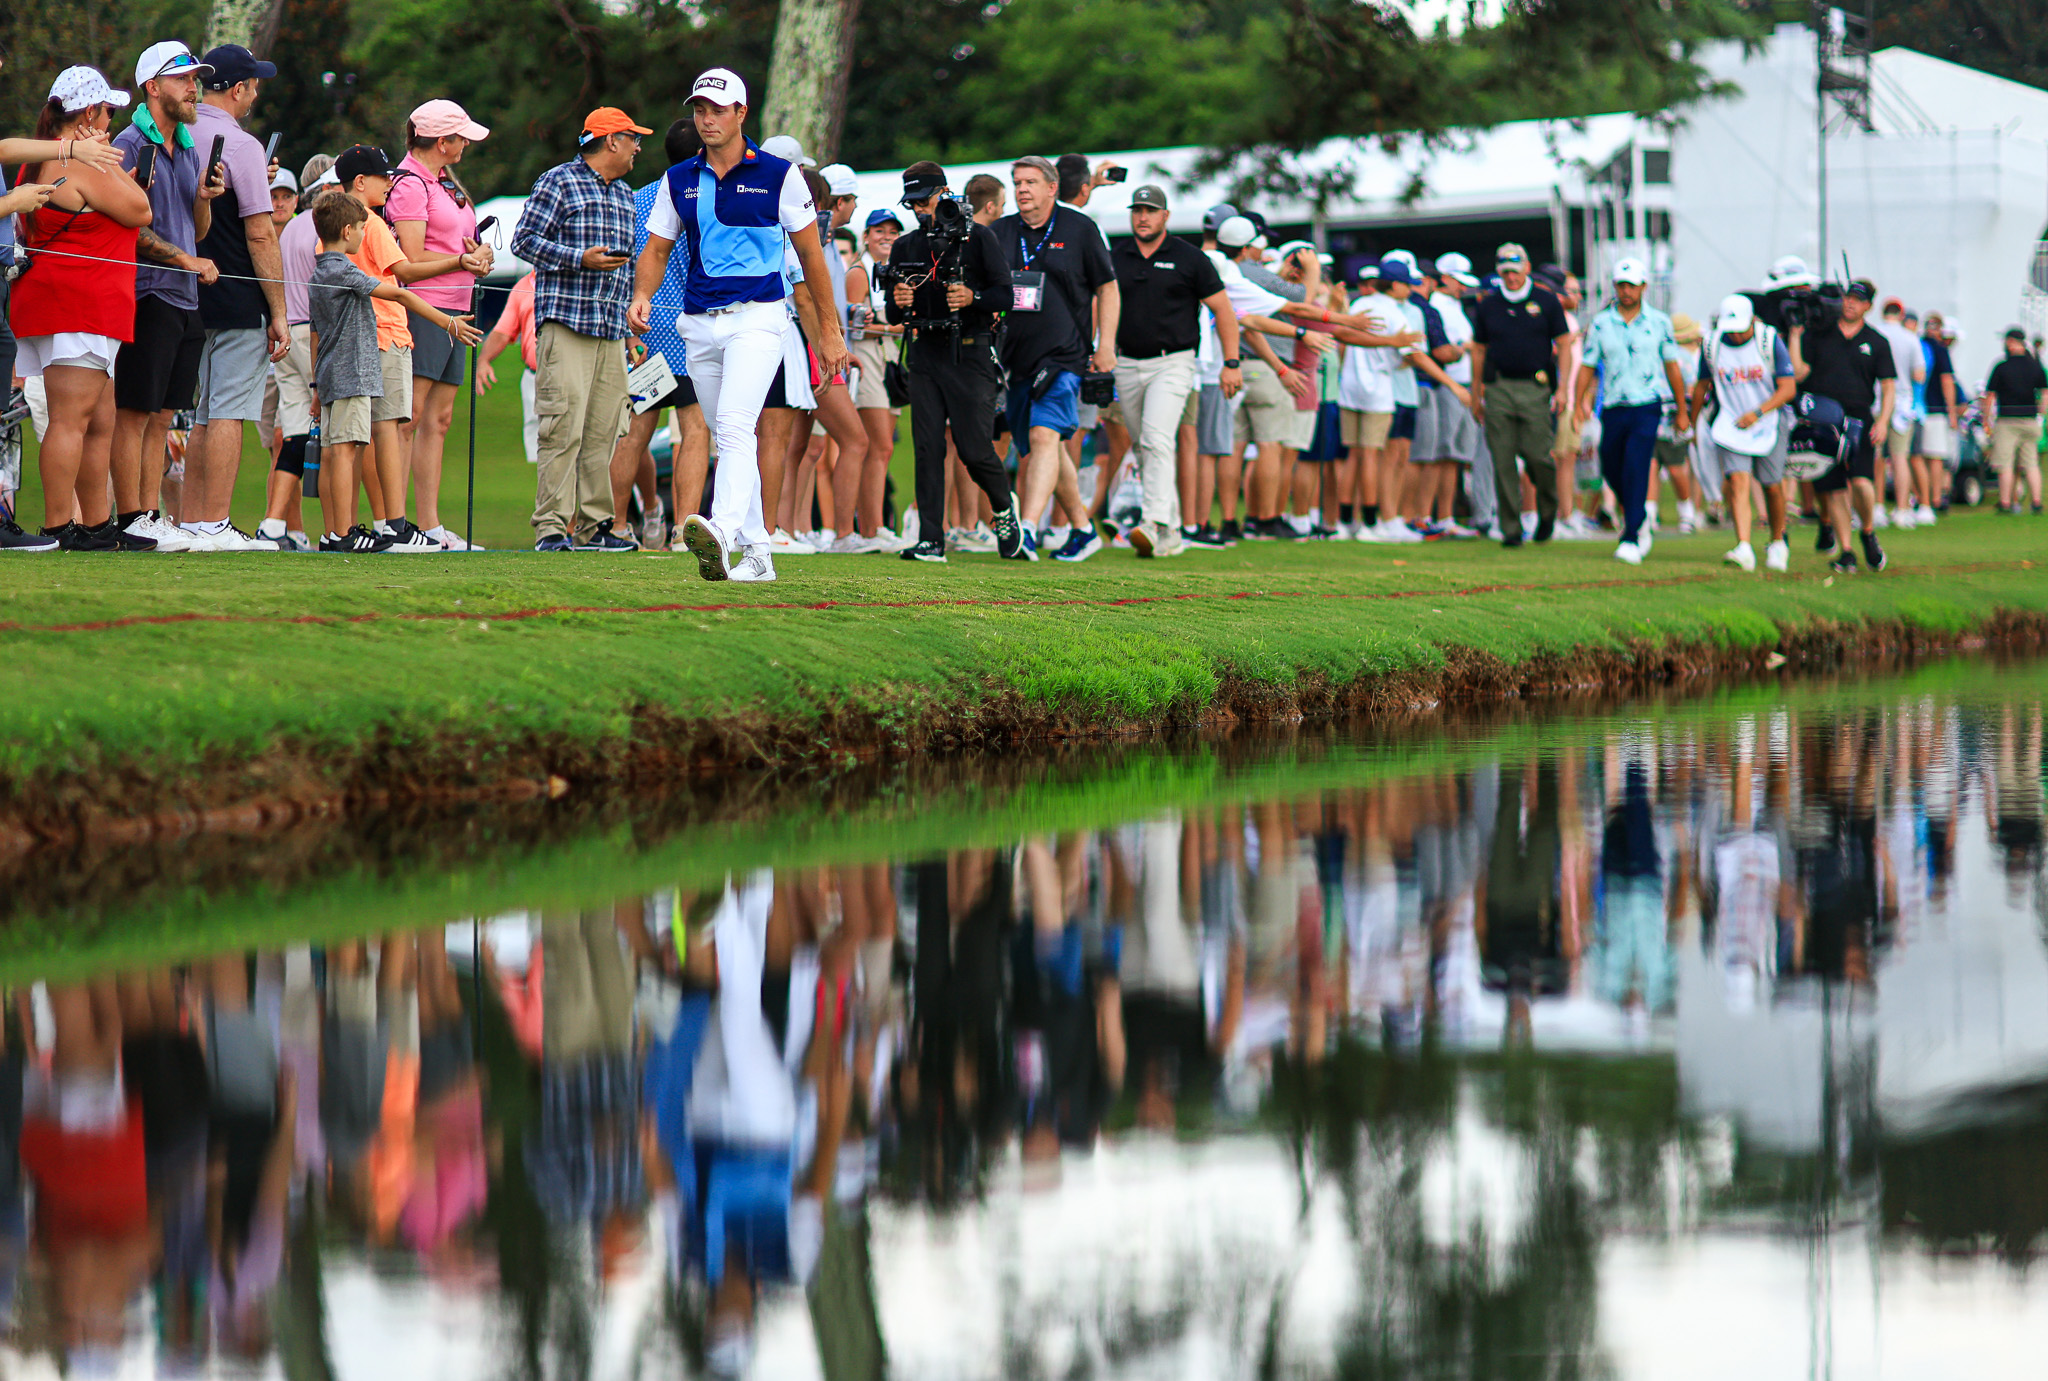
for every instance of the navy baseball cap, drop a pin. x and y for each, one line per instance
(1395, 271)
(875, 218)
(232, 63)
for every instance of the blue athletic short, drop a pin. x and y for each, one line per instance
(1058, 409)
(1403, 426)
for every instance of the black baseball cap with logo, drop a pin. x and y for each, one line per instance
(361, 160)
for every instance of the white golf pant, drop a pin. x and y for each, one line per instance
(1153, 394)
(733, 358)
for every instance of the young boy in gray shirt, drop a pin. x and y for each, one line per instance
(346, 372)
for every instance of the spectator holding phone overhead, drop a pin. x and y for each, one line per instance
(436, 224)
(71, 311)
(244, 309)
(157, 373)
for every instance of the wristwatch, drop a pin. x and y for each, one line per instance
(1301, 333)
(1231, 364)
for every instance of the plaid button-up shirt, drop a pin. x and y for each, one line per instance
(570, 210)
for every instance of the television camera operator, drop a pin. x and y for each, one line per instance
(947, 282)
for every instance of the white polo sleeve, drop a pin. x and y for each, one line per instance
(662, 219)
(797, 210)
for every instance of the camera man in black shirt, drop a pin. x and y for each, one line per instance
(1849, 362)
(947, 281)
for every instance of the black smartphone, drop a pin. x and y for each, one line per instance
(270, 149)
(59, 183)
(213, 157)
(485, 224)
(1117, 174)
(145, 165)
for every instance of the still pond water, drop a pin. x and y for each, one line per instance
(1701, 1039)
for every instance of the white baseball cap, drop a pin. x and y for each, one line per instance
(785, 146)
(169, 58)
(1291, 247)
(80, 88)
(1631, 271)
(840, 180)
(1456, 266)
(1737, 315)
(1403, 256)
(720, 86)
(1236, 233)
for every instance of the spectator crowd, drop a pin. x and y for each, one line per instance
(172, 285)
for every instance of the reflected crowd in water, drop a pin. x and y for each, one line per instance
(1385, 1079)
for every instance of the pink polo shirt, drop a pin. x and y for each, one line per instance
(421, 197)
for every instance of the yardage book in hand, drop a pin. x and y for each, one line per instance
(649, 382)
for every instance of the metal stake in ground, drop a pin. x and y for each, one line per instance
(476, 297)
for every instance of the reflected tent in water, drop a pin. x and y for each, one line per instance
(1543, 1049)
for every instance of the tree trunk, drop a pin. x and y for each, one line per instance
(807, 74)
(243, 22)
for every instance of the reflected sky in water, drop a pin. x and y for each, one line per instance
(1666, 1048)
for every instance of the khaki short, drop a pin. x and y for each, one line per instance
(1569, 439)
(295, 384)
(266, 425)
(2010, 438)
(1302, 434)
(1192, 409)
(1113, 416)
(396, 404)
(346, 420)
(1898, 442)
(871, 355)
(1366, 429)
(1265, 412)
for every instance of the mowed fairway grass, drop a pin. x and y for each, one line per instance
(165, 661)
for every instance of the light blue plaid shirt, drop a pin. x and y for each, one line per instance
(1630, 356)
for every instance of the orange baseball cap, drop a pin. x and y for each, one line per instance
(610, 120)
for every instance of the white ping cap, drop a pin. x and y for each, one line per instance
(720, 86)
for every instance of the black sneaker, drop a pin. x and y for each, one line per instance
(605, 540)
(1873, 554)
(13, 539)
(358, 539)
(1279, 530)
(1207, 538)
(1232, 532)
(407, 538)
(1512, 538)
(925, 551)
(73, 537)
(1825, 543)
(1545, 528)
(123, 541)
(1845, 564)
(1013, 543)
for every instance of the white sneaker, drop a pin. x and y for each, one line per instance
(229, 538)
(1396, 530)
(1878, 517)
(1646, 539)
(449, 541)
(755, 568)
(853, 544)
(1169, 542)
(1743, 555)
(294, 541)
(1367, 532)
(784, 544)
(1778, 556)
(976, 538)
(707, 544)
(1528, 525)
(1926, 515)
(1300, 522)
(1629, 552)
(167, 536)
(271, 529)
(1904, 518)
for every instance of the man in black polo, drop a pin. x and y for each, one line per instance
(1850, 363)
(952, 362)
(1062, 321)
(1164, 283)
(1519, 333)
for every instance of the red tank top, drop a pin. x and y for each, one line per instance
(65, 294)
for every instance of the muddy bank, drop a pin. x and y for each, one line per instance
(295, 782)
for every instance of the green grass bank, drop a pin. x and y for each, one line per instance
(168, 686)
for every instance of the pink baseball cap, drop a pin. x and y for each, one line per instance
(437, 119)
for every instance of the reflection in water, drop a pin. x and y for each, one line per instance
(1550, 1063)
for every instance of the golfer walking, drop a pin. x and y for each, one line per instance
(735, 204)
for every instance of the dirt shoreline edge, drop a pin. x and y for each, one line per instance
(292, 780)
